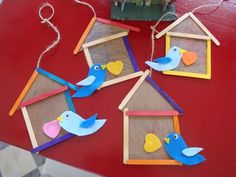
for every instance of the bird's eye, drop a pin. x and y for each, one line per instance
(175, 49)
(176, 136)
(67, 116)
(96, 68)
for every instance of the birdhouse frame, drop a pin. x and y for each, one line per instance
(104, 41)
(189, 33)
(147, 108)
(44, 98)
(134, 134)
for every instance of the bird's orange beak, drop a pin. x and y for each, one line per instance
(182, 51)
(167, 140)
(60, 118)
(104, 67)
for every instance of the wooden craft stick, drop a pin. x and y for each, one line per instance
(172, 25)
(84, 35)
(29, 127)
(176, 124)
(187, 35)
(153, 162)
(133, 90)
(152, 113)
(121, 79)
(204, 29)
(105, 39)
(208, 63)
(43, 96)
(167, 43)
(102, 20)
(187, 74)
(23, 93)
(125, 136)
(88, 57)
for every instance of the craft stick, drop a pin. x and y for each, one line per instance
(153, 162)
(23, 93)
(204, 29)
(176, 124)
(102, 20)
(208, 63)
(167, 43)
(69, 101)
(105, 39)
(29, 127)
(125, 136)
(187, 74)
(187, 35)
(172, 25)
(57, 79)
(152, 113)
(121, 79)
(84, 35)
(88, 57)
(165, 95)
(133, 90)
(52, 143)
(131, 55)
(43, 96)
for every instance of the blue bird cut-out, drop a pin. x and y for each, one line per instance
(169, 62)
(95, 78)
(179, 150)
(75, 124)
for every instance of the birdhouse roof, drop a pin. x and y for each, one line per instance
(40, 86)
(146, 95)
(188, 23)
(102, 30)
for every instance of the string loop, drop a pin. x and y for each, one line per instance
(47, 20)
(87, 4)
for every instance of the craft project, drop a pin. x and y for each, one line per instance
(179, 150)
(189, 33)
(104, 42)
(96, 77)
(152, 143)
(169, 62)
(44, 97)
(75, 124)
(147, 108)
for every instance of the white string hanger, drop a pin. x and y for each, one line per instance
(153, 28)
(154, 32)
(87, 4)
(47, 21)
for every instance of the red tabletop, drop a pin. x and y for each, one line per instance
(209, 105)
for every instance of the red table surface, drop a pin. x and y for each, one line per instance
(209, 105)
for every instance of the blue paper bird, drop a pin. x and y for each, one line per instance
(179, 150)
(75, 124)
(95, 78)
(169, 62)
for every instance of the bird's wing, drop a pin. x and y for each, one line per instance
(87, 81)
(163, 60)
(191, 151)
(89, 122)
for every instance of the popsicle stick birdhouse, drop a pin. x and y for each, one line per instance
(188, 33)
(149, 116)
(44, 98)
(105, 42)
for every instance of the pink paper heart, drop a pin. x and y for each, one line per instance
(52, 128)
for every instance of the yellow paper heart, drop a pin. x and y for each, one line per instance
(115, 67)
(152, 143)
